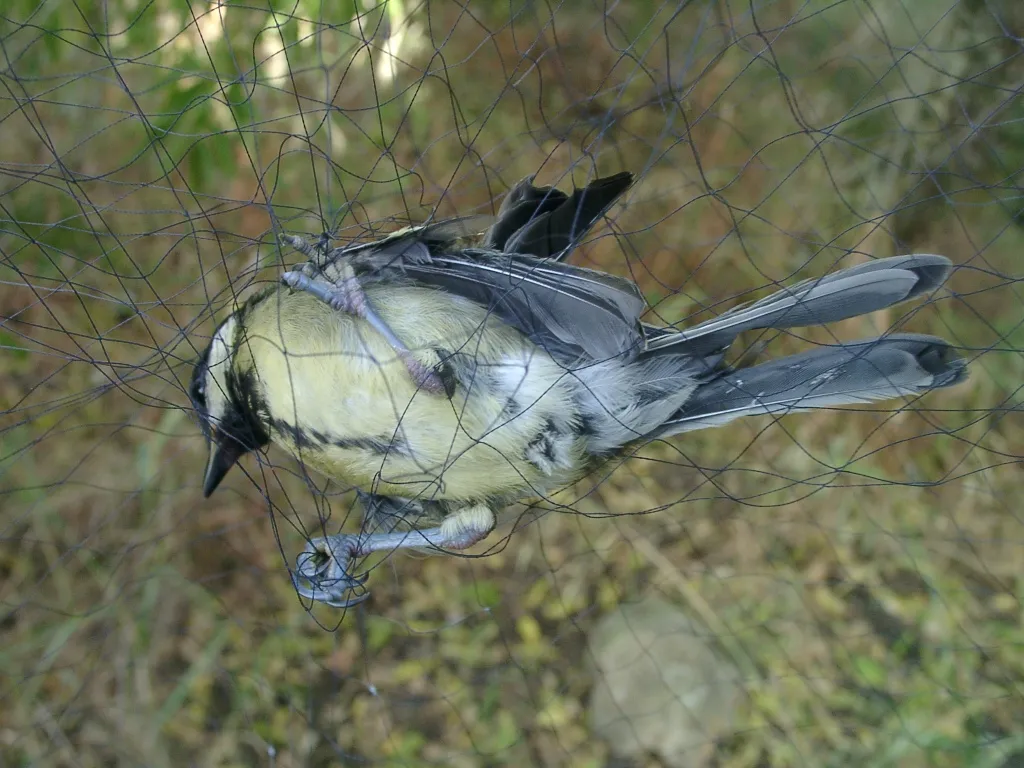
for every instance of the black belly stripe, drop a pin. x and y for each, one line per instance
(314, 438)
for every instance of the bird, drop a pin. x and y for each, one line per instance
(450, 369)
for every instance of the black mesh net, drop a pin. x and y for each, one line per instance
(840, 587)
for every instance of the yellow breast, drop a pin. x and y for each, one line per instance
(345, 405)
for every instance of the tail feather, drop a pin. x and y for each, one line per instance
(858, 372)
(837, 296)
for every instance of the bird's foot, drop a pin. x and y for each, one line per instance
(322, 572)
(316, 252)
(322, 569)
(345, 294)
(437, 380)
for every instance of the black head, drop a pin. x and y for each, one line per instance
(227, 402)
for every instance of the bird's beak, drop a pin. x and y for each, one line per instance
(224, 453)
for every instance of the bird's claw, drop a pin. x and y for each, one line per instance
(322, 572)
(427, 379)
(345, 295)
(316, 252)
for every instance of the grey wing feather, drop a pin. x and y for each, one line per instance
(847, 293)
(522, 205)
(409, 243)
(857, 372)
(572, 312)
(441, 233)
(546, 222)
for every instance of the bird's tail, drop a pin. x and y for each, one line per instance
(855, 372)
(840, 295)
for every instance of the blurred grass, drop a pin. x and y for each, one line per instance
(862, 569)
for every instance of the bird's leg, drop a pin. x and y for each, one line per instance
(317, 252)
(346, 295)
(322, 569)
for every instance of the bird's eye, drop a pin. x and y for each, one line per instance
(197, 392)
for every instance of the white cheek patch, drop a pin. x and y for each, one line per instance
(219, 363)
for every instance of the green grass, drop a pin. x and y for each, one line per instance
(861, 570)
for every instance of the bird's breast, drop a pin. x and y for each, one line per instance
(342, 402)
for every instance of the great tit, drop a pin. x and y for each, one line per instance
(445, 379)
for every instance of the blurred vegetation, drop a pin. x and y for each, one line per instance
(861, 568)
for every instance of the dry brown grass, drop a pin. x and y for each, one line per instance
(860, 569)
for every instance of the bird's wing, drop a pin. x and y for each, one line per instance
(572, 312)
(446, 233)
(546, 222)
